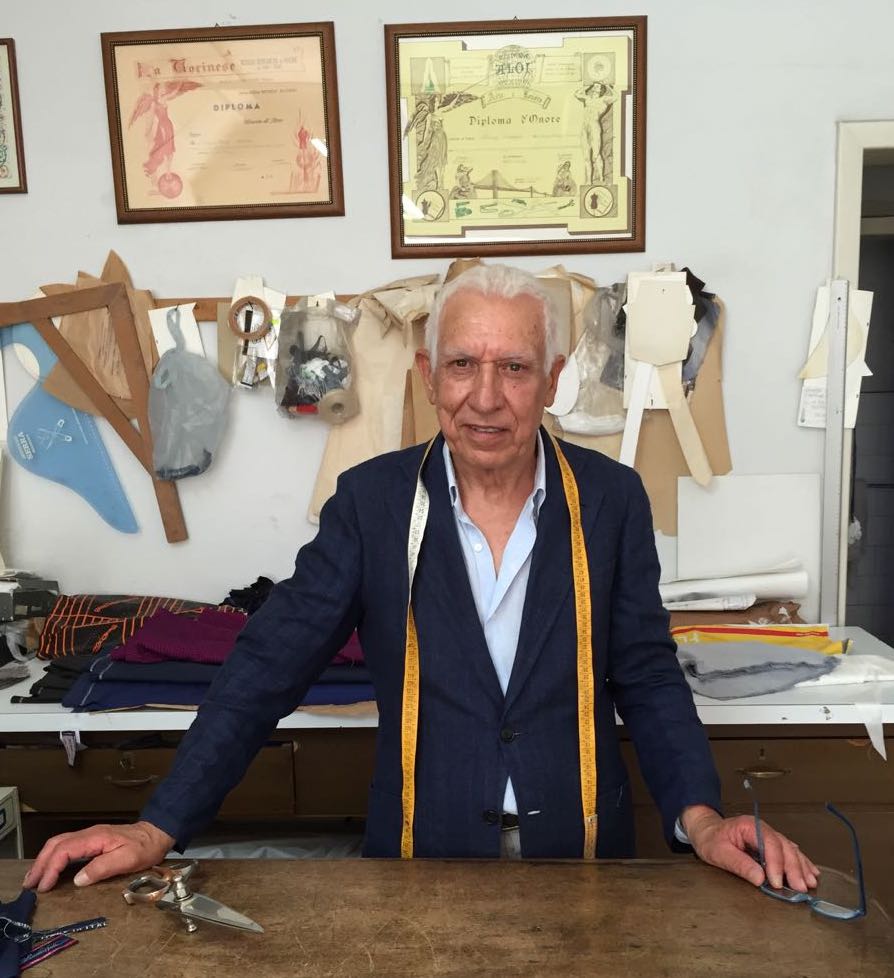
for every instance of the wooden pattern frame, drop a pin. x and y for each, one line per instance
(12, 149)
(224, 123)
(521, 137)
(39, 312)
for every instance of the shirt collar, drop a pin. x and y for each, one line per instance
(535, 499)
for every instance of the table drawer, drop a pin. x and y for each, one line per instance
(808, 771)
(121, 781)
(794, 771)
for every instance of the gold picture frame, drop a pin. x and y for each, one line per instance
(12, 152)
(517, 137)
(224, 123)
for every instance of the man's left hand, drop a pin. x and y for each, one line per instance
(725, 842)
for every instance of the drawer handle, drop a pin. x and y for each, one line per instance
(763, 773)
(131, 782)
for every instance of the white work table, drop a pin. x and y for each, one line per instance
(819, 705)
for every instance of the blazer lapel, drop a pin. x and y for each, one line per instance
(442, 583)
(550, 579)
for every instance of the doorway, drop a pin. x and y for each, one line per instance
(870, 552)
(861, 147)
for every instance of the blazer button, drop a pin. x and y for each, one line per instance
(507, 735)
(491, 816)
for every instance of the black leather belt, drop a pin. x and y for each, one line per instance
(508, 821)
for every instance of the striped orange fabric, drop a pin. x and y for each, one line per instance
(90, 623)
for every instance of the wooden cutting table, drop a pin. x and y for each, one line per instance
(348, 918)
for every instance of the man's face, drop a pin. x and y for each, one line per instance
(490, 387)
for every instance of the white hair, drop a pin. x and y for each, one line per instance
(505, 282)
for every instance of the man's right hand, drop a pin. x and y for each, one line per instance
(111, 849)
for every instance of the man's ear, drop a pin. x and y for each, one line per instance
(553, 380)
(423, 362)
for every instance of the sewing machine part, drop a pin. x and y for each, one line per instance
(167, 888)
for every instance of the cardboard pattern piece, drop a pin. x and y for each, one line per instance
(659, 325)
(114, 298)
(92, 337)
(659, 460)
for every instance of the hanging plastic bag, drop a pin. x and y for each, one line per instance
(599, 409)
(314, 370)
(187, 409)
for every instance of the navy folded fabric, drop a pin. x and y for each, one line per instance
(345, 674)
(21, 910)
(106, 669)
(89, 695)
(338, 694)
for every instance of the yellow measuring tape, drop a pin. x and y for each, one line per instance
(586, 688)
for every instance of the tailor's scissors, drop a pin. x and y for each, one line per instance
(166, 887)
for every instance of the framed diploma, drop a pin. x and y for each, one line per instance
(12, 156)
(223, 123)
(517, 137)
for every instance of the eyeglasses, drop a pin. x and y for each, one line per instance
(824, 907)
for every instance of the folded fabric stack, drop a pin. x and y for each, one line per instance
(726, 672)
(172, 660)
(159, 653)
(731, 661)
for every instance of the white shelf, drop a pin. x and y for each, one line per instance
(829, 705)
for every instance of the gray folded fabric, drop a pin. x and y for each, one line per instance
(12, 673)
(728, 670)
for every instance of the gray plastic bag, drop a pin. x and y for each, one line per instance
(187, 409)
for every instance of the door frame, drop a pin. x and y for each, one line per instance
(854, 138)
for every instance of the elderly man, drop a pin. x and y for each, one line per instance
(506, 594)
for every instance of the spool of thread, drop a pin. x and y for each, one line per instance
(339, 406)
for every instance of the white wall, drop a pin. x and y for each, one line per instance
(743, 98)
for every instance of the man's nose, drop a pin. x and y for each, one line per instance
(487, 389)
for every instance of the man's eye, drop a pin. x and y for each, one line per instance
(460, 362)
(514, 368)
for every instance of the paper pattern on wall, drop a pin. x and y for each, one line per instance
(91, 336)
(812, 406)
(381, 364)
(660, 460)
(660, 323)
(164, 341)
(57, 442)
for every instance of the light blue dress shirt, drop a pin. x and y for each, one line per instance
(500, 598)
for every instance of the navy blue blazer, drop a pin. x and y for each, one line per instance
(471, 737)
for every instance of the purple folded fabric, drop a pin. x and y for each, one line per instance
(209, 637)
(351, 654)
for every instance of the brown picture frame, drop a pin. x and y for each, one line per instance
(12, 150)
(224, 123)
(546, 119)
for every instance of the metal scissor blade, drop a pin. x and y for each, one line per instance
(201, 907)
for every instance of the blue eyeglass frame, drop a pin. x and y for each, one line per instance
(825, 908)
